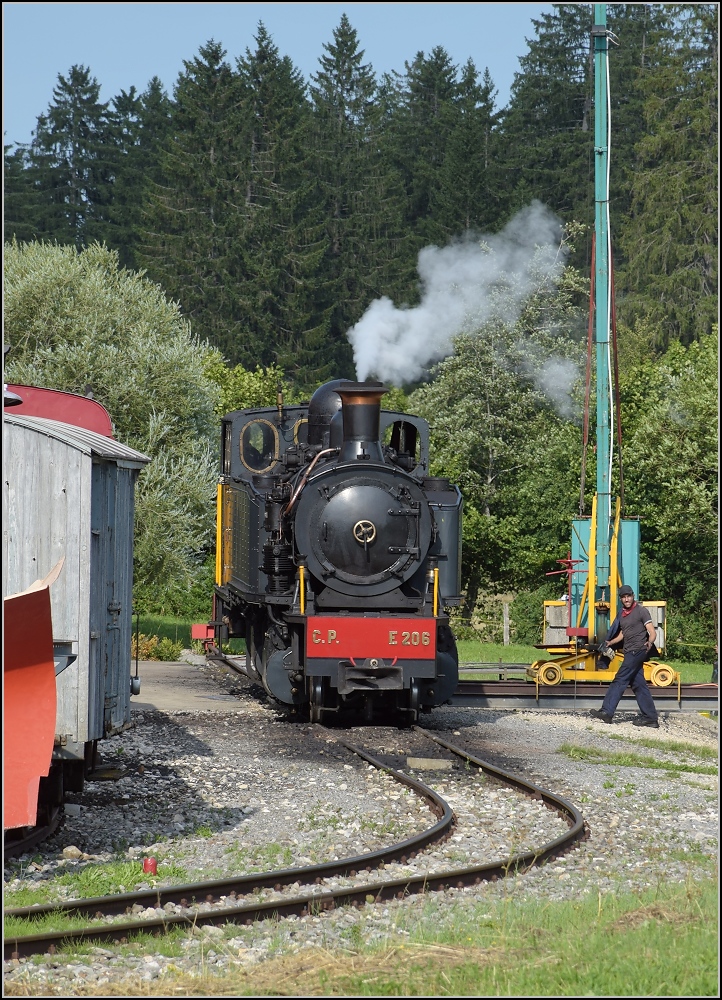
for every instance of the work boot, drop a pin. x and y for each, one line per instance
(644, 721)
(602, 716)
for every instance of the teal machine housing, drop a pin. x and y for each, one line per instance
(627, 554)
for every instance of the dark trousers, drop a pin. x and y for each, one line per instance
(631, 673)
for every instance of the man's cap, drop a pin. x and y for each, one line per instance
(623, 591)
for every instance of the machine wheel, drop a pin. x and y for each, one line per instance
(550, 674)
(662, 675)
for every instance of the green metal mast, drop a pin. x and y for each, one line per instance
(601, 596)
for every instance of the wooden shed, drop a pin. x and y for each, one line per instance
(70, 492)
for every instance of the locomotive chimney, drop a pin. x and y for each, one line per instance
(361, 407)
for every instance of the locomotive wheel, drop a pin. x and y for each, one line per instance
(316, 699)
(414, 699)
(662, 675)
(408, 706)
(550, 674)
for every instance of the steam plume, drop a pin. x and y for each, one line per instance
(462, 286)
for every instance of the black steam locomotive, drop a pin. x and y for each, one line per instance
(338, 555)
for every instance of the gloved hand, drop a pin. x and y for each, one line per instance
(606, 651)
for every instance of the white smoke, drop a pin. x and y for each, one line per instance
(555, 377)
(462, 287)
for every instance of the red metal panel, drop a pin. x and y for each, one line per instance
(29, 703)
(356, 637)
(202, 632)
(67, 407)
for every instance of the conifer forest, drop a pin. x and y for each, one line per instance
(246, 228)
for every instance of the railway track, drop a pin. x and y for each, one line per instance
(232, 900)
(507, 691)
(521, 694)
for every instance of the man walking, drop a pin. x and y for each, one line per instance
(633, 626)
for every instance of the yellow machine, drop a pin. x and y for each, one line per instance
(566, 628)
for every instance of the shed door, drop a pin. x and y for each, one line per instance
(111, 597)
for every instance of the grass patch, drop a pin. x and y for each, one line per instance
(177, 630)
(658, 943)
(266, 857)
(25, 896)
(83, 882)
(706, 753)
(43, 923)
(630, 759)
(115, 876)
(173, 629)
(90, 880)
(473, 651)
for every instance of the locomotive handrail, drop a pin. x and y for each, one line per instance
(304, 479)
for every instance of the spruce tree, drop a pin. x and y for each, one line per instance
(469, 197)
(548, 127)
(359, 190)
(140, 125)
(191, 212)
(671, 237)
(423, 121)
(21, 200)
(72, 162)
(279, 243)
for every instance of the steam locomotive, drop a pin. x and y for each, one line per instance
(338, 555)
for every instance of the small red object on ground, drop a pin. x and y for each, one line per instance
(150, 866)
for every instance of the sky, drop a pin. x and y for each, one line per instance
(125, 44)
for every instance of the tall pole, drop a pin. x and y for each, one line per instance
(601, 303)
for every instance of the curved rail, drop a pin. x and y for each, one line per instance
(17, 946)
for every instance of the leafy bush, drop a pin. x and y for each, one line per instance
(143, 647)
(76, 321)
(190, 602)
(690, 632)
(168, 650)
(151, 647)
(527, 613)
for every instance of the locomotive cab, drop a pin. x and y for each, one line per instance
(337, 555)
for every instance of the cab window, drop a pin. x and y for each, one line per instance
(403, 439)
(259, 445)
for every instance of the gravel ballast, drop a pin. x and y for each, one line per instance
(215, 794)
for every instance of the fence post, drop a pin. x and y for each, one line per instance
(506, 622)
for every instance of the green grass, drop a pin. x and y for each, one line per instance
(660, 942)
(25, 896)
(175, 629)
(675, 746)
(630, 759)
(266, 857)
(178, 630)
(471, 651)
(87, 881)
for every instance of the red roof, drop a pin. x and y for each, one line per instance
(67, 407)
